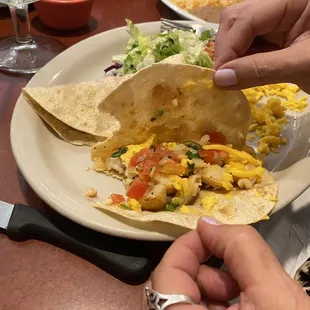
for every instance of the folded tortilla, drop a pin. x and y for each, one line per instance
(71, 110)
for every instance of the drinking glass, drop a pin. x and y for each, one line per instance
(25, 53)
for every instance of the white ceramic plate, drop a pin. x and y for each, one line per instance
(56, 169)
(183, 13)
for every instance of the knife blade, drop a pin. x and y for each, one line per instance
(114, 255)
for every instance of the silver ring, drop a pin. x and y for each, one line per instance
(157, 301)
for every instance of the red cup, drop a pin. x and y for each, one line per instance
(64, 14)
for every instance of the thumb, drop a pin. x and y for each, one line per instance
(247, 256)
(286, 65)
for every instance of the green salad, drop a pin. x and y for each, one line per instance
(143, 50)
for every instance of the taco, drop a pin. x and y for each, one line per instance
(179, 182)
(176, 102)
(180, 150)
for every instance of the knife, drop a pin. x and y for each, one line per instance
(121, 258)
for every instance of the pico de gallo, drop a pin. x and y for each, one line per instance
(170, 175)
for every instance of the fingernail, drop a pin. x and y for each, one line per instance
(211, 220)
(225, 77)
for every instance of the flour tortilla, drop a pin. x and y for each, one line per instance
(64, 131)
(235, 207)
(71, 110)
(190, 103)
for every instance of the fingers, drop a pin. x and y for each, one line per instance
(216, 306)
(177, 272)
(257, 69)
(241, 23)
(247, 256)
(286, 65)
(302, 25)
(216, 284)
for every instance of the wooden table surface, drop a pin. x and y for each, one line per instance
(35, 275)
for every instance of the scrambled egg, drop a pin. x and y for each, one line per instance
(208, 202)
(181, 185)
(201, 83)
(269, 118)
(134, 204)
(134, 149)
(185, 209)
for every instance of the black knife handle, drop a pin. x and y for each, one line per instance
(29, 223)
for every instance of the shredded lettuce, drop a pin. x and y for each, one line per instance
(143, 50)
(168, 46)
(206, 35)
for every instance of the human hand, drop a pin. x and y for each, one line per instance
(285, 23)
(255, 273)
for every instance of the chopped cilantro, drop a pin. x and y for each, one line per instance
(169, 207)
(158, 114)
(193, 145)
(192, 155)
(124, 206)
(190, 167)
(120, 152)
(152, 172)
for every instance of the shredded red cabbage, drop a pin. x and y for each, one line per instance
(114, 66)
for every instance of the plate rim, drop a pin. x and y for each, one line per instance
(183, 13)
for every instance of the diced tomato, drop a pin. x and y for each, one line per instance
(148, 166)
(213, 157)
(172, 168)
(164, 152)
(138, 158)
(117, 199)
(136, 189)
(150, 162)
(148, 159)
(217, 138)
(176, 157)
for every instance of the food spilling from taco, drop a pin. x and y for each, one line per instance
(180, 150)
